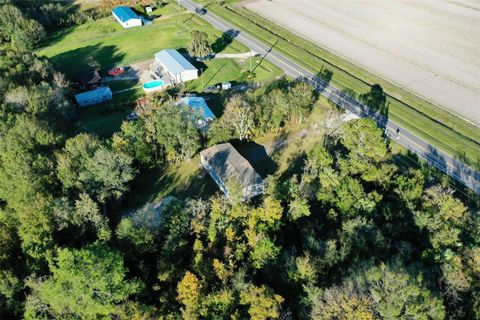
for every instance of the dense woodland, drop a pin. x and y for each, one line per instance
(349, 232)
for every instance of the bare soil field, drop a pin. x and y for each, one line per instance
(431, 48)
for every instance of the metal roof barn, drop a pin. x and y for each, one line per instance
(126, 17)
(92, 97)
(179, 68)
(224, 163)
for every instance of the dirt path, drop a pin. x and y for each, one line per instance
(240, 56)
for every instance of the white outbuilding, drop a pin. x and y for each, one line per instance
(179, 68)
(92, 97)
(126, 17)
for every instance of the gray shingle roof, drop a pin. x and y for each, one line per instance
(228, 164)
(173, 61)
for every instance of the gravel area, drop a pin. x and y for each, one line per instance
(430, 48)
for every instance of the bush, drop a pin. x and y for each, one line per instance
(139, 8)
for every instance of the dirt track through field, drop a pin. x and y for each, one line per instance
(431, 48)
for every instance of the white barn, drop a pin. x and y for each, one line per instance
(179, 68)
(126, 17)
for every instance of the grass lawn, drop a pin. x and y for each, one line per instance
(222, 70)
(436, 126)
(105, 119)
(186, 180)
(105, 42)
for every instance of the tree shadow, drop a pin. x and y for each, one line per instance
(99, 57)
(323, 77)
(258, 157)
(224, 40)
(297, 162)
(377, 103)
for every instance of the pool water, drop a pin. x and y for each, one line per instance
(153, 84)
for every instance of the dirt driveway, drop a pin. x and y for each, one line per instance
(139, 71)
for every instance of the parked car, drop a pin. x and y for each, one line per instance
(132, 116)
(206, 58)
(210, 89)
(116, 71)
(200, 11)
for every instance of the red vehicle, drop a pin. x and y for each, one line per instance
(116, 71)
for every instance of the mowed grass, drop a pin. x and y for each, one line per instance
(436, 126)
(106, 43)
(235, 71)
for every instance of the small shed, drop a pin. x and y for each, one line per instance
(179, 68)
(224, 163)
(148, 9)
(226, 86)
(126, 17)
(199, 103)
(95, 96)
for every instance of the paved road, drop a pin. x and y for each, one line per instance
(423, 149)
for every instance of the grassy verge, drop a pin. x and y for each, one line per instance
(436, 126)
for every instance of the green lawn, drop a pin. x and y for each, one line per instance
(436, 126)
(104, 41)
(222, 70)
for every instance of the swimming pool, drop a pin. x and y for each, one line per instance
(154, 85)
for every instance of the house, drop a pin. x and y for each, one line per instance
(95, 96)
(224, 163)
(179, 68)
(226, 85)
(199, 104)
(126, 17)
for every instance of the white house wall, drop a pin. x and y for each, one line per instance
(188, 75)
(129, 23)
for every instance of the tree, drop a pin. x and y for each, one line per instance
(22, 33)
(26, 165)
(81, 219)
(271, 110)
(367, 151)
(199, 45)
(11, 292)
(343, 302)
(87, 165)
(239, 117)
(398, 295)
(86, 283)
(175, 130)
(364, 140)
(442, 216)
(263, 302)
(300, 99)
(132, 140)
(189, 294)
